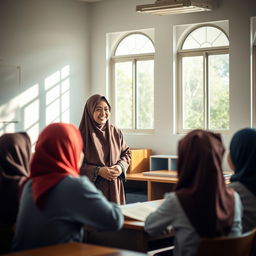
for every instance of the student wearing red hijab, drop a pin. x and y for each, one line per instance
(201, 205)
(107, 156)
(15, 152)
(56, 202)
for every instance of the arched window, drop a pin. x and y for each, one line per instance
(133, 83)
(203, 83)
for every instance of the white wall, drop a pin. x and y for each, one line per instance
(42, 37)
(119, 15)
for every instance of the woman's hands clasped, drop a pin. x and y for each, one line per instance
(110, 173)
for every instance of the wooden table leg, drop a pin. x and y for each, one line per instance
(149, 190)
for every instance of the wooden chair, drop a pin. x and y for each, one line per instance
(224, 246)
(244, 245)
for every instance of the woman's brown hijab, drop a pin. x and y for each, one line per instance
(98, 146)
(15, 151)
(103, 145)
(201, 190)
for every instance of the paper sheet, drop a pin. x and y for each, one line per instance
(140, 211)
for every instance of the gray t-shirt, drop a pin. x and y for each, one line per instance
(171, 215)
(70, 205)
(249, 205)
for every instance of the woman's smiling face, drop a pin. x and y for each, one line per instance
(101, 113)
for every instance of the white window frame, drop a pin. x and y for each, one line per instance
(134, 58)
(205, 52)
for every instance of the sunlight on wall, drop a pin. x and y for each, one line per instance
(6, 127)
(40, 108)
(57, 96)
(29, 105)
(9, 110)
(9, 115)
(24, 99)
(10, 82)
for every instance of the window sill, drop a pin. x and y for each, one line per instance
(138, 132)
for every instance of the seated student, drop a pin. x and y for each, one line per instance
(56, 202)
(15, 151)
(201, 204)
(242, 159)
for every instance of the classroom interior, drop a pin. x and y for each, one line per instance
(70, 42)
(45, 38)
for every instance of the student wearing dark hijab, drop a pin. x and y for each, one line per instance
(15, 151)
(242, 159)
(107, 156)
(201, 205)
(56, 202)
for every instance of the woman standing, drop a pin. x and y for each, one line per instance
(107, 156)
(15, 151)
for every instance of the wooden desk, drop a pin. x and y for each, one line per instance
(157, 186)
(132, 237)
(139, 160)
(76, 249)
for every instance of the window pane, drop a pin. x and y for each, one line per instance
(145, 94)
(124, 95)
(135, 44)
(190, 43)
(222, 40)
(219, 92)
(205, 37)
(193, 92)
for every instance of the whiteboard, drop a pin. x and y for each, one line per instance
(10, 82)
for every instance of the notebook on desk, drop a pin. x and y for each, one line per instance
(139, 211)
(161, 173)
